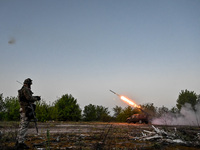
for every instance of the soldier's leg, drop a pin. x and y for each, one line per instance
(24, 123)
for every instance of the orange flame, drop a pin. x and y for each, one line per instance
(130, 102)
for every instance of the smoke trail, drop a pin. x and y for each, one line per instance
(187, 116)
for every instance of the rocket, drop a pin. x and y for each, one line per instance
(114, 93)
(130, 102)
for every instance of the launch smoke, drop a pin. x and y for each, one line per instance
(187, 116)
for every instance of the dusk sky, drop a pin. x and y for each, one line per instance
(147, 50)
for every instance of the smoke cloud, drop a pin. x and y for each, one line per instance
(187, 116)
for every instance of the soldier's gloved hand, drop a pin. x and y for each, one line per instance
(38, 98)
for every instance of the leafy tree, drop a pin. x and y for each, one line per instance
(174, 110)
(102, 113)
(90, 113)
(53, 113)
(117, 110)
(150, 109)
(12, 108)
(186, 97)
(162, 111)
(126, 112)
(68, 109)
(96, 113)
(42, 111)
(1, 103)
(2, 107)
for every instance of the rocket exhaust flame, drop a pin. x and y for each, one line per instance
(128, 101)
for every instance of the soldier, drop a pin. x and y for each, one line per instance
(26, 113)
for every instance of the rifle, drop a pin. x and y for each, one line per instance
(34, 116)
(33, 112)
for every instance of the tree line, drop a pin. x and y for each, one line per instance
(66, 108)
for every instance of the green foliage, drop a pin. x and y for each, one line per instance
(150, 109)
(42, 111)
(68, 109)
(2, 107)
(186, 97)
(95, 113)
(48, 140)
(174, 110)
(1, 103)
(11, 108)
(126, 112)
(90, 113)
(102, 113)
(65, 108)
(117, 110)
(121, 115)
(53, 113)
(162, 111)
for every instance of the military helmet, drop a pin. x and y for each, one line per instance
(28, 81)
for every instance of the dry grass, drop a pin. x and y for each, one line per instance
(92, 135)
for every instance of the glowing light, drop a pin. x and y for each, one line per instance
(130, 102)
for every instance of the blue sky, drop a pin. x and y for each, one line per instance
(146, 50)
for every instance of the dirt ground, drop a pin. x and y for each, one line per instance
(93, 135)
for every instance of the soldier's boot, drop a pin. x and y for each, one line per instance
(21, 146)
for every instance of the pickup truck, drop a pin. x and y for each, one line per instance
(140, 118)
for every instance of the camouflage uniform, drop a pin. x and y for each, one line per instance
(25, 99)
